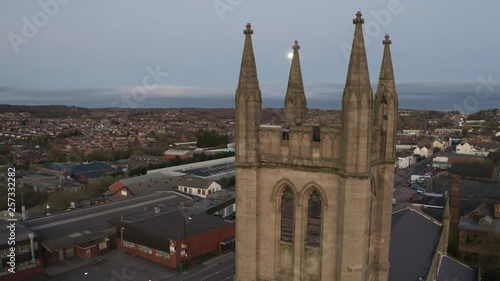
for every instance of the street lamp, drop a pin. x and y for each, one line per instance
(185, 242)
(121, 238)
(121, 234)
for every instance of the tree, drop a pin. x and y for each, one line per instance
(205, 138)
(69, 133)
(101, 185)
(465, 132)
(225, 182)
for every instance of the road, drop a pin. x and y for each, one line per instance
(402, 176)
(222, 270)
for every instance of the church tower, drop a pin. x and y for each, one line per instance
(313, 202)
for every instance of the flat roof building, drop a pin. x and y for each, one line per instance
(173, 238)
(86, 232)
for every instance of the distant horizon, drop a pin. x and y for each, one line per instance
(465, 96)
(205, 107)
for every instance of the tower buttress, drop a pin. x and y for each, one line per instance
(357, 104)
(295, 99)
(385, 114)
(248, 117)
(248, 105)
(386, 106)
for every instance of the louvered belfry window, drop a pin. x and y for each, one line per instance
(314, 220)
(287, 212)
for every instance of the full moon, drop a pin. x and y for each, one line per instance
(290, 55)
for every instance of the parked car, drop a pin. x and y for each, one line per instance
(393, 201)
(421, 190)
(415, 186)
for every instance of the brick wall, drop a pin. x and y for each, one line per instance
(198, 245)
(24, 274)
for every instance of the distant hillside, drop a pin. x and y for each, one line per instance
(46, 111)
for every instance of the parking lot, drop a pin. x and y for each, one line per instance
(118, 266)
(402, 176)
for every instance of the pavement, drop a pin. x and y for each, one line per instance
(118, 266)
(71, 264)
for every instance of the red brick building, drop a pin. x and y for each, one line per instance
(162, 238)
(183, 154)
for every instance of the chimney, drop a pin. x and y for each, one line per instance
(497, 211)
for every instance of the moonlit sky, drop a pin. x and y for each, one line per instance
(93, 52)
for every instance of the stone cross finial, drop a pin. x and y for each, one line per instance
(248, 30)
(358, 18)
(296, 45)
(387, 41)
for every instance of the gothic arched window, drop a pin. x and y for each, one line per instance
(314, 220)
(287, 215)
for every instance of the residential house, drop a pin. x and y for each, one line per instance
(198, 186)
(405, 158)
(422, 151)
(478, 149)
(442, 145)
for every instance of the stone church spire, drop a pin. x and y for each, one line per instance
(295, 99)
(248, 104)
(386, 105)
(357, 75)
(248, 71)
(386, 71)
(357, 107)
